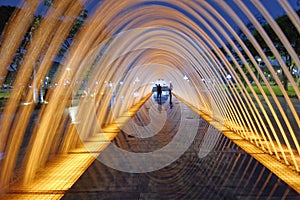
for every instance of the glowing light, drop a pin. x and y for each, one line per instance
(103, 54)
(228, 76)
(136, 94)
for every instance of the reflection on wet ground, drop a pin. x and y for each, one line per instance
(207, 170)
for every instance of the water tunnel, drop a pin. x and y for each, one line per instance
(80, 115)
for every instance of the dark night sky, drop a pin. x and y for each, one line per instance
(271, 5)
(9, 2)
(273, 8)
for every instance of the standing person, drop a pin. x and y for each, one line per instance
(170, 95)
(156, 90)
(171, 86)
(159, 91)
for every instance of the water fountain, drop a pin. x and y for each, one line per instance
(115, 57)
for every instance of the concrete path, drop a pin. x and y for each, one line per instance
(213, 167)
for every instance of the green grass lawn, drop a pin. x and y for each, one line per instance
(291, 92)
(4, 94)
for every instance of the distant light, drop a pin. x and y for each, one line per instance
(68, 69)
(26, 103)
(258, 59)
(228, 76)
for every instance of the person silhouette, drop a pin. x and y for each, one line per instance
(170, 98)
(170, 95)
(159, 91)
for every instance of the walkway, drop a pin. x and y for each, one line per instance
(212, 166)
(207, 170)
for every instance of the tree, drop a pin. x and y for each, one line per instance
(293, 36)
(5, 14)
(77, 25)
(289, 30)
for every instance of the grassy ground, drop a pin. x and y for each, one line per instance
(291, 92)
(4, 94)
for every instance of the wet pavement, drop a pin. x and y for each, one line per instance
(212, 167)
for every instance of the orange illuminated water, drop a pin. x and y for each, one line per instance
(113, 62)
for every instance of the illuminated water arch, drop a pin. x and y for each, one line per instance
(136, 43)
